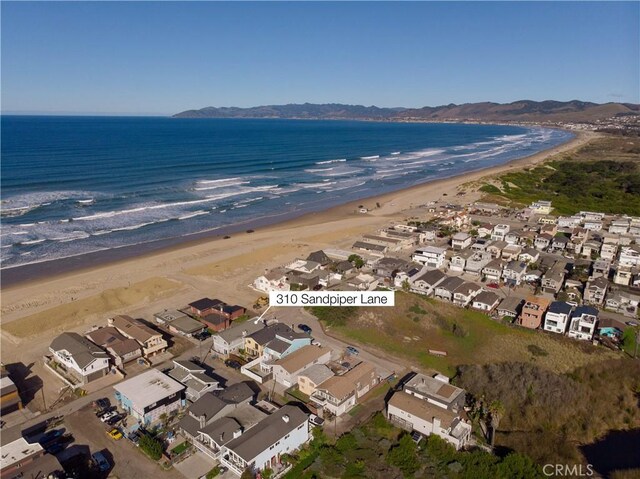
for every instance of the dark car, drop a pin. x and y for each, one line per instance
(201, 336)
(114, 419)
(55, 448)
(51, 436)
(231, 363)
(103, 403)
(352, 351)
(304, 328)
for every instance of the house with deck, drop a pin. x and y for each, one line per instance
(533, 312)
(557, 316)
(79, 358)
(151, 341)
(583, 323)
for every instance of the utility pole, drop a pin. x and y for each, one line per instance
(635, 354)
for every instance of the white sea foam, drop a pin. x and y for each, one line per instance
(221, 185)
(42, 240)
(194, 214)
(341, 160)
(373, 157)
(395, 153)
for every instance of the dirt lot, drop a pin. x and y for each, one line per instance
(127, 461)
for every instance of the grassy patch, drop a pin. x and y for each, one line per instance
(607, 178)
(180, 448)
(466, 336)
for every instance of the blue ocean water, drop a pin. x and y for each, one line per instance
(73, 185)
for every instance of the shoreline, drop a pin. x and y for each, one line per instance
(48, 270)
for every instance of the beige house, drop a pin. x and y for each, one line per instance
(287, 369)
(312, 377)
(151, 341)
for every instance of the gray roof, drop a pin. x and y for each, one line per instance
(317, 373)
(319, 257)
(278, 345)
(187, 325)
(208, 405)
(246, 328)
(559, 307)
(221, 430)
(84, 352)
(431, 277)
(451, 283)
(236, 393)
(267, 432)
(189, 424)
(369, 246)
(486, 297)
(511, 303)
(264, 335)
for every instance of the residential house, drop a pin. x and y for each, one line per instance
(556, 319)
(464, 294)
(542, 241)
(364, 282)
(590, 249)
(9, 395)
(510, 307)
(22, 459)
(371, 248)
(312, 377)
(279, 337)
(601, 267)
(231, 341)
(81, 360)
(287, 369)
(476, 262)
(486, 301)
(592, 215)
(484, 230)
(608, 251)
(274, 280)
(511, 252)
(624, 274)
(391, 244)
(583, 323)
(493, 270)
(596, 290)
(547, 220)
(529, 255)
(513, 272)
(303, 266)
(569, 221)
(559, 243)
(496, 247)
(282, 432)
(630, 255)
(533, 312)
(458, 260)
(151, 341)
(204, 306)
(553, 279)
(405, 239)
(446, 289)
(216, 321)
(179, 323)
(426, 281)
(339, 394)
(532, 277)
(436, 390)
(619, 226)
(319, 257)
(593, 225)
(512, 237)
(430, 256)
(194, 377)
(150, 396)
(480, 244)
(624, 302)
(499, 232)
(120, 348)
(541, 207)
(461, 241)
(389, 267)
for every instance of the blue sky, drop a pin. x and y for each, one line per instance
(165, 57)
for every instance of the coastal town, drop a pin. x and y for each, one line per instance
(215, 389)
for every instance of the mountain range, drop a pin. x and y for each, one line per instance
(518, 111)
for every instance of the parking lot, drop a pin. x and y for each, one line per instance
(126, 460)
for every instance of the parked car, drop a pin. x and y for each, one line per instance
(134, 437)
(493, 285)
(352, 351)
(102, 412)
(232, 363)
(102, 403)
(115, 434)
(201, 336)
(101, 461)
(115, 419)
(51, 436)
(304, 328)
(105, 417)
(631, 323)
(55, 448)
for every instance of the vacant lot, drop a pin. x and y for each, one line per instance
(418, 324)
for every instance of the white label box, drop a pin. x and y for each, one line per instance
(331, 298)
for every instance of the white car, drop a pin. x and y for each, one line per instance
(109, 415)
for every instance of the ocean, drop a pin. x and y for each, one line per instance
(76, 185)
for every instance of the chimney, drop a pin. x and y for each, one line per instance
(285, 418)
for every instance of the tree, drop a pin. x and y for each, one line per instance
(406, 286)
(356, 260)
(404, 456)
(496, 411)
(151, 447)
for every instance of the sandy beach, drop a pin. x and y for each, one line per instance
(35, 311)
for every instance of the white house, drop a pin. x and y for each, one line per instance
(430, 256)
(287, 369)
(426, 281)
(557, 317)
(261, 447)
(583, 323)
(464, 294)
(541, 207)
(461, 241)
(414, 414)
(499, 232)
(485, 301)
(274, 280)
(79, 357)
(630, 255)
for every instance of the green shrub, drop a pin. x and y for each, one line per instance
(151, 447)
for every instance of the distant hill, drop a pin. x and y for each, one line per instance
(523, 110)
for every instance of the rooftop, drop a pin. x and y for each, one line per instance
(148, 388)
(84, 352)
(301, 358)
(422, 409)
(205, 303)
(434, 388)
(317, 374)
